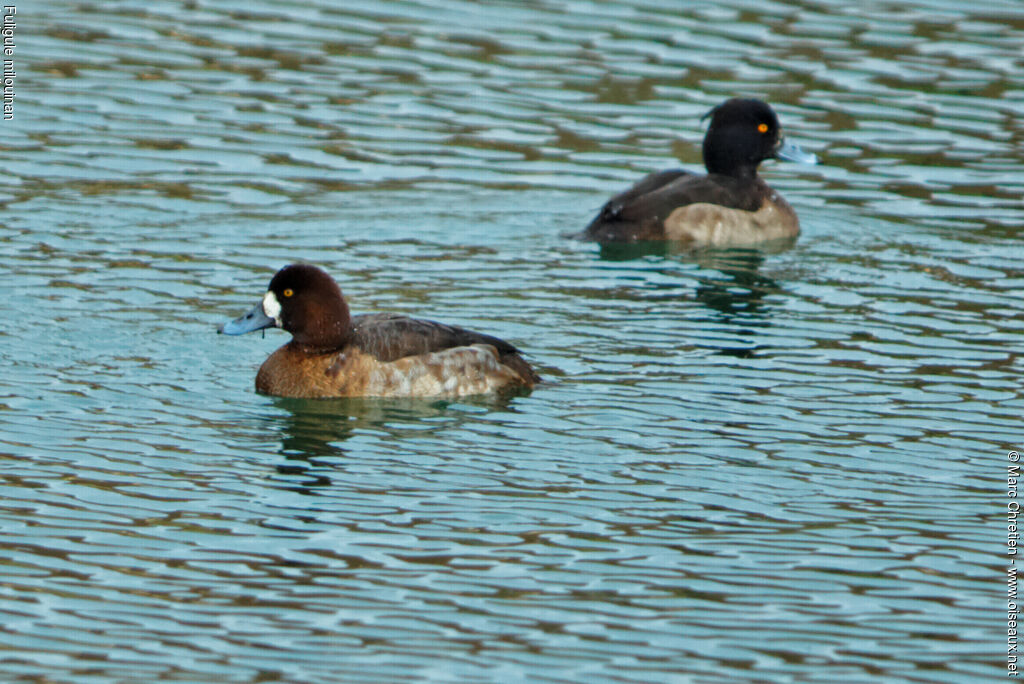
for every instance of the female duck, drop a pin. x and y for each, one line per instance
(332, 354)
(731, 205)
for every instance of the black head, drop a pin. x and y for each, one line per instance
(306, 302)
(742, 134)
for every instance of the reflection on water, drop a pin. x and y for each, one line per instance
(310, 429)
(803, 440)
(319, 427)
(732, 286)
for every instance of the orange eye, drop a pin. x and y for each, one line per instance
(288, 292)
(762, 128)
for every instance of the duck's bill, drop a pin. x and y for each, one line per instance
(790, 152)
(256, 319)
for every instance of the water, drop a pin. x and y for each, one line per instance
(776, 465)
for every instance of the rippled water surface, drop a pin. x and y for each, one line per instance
(771, 465)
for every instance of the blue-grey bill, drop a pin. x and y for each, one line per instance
(254, 320)
(790, 152)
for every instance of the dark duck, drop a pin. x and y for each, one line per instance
(731, 205)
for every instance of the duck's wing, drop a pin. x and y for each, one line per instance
(639, 213)
(391, 336)
(628, 216)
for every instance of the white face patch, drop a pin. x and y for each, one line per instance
(272, 307)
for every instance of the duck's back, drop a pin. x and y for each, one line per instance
(656, 208)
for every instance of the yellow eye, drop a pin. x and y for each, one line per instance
(288, 292)
(762, 128)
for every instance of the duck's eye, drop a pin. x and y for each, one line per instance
(762, 128)
(288, 292)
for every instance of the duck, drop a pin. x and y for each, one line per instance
(730, 205)
(334, 354)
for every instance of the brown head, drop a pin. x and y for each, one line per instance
(304, 301)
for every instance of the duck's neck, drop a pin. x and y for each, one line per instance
(328, 328)
(741, 172)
